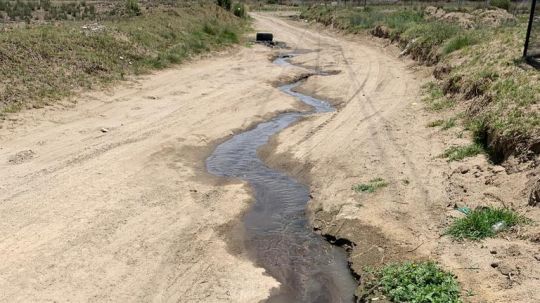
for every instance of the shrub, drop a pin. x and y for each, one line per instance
(478, 223)
(226, 4)
(132, 7)
(239, 10)
(504, 4)
(422, 282)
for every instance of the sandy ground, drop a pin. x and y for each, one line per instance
(108, 200)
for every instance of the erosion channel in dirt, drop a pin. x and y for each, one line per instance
(278, 235)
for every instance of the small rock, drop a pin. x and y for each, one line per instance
(537, 257)
(493, 252)
(477, 174)
(21, 157)
(506, 269)
(463, 169)
(494, 264)
(104, 130)
(497, 169)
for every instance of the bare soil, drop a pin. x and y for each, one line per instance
(112, 203)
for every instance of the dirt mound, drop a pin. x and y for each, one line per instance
(494, 17)
(464, 20)
(489, 17)
(381, 31)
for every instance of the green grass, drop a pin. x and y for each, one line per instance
(478, 223)
(456, 153)
(422, 282)
(448, 124)
(458, 42)
(435, 98)
(371, 186)
(444, 124)
(43, 63)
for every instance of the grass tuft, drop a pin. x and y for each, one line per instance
(478, 223)
(458, 42)
(423, 282)
(371, 186)
(456, 153)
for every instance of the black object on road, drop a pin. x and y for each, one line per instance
(264, 37)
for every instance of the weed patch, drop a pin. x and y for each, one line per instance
(456, 153)
(423, 282)
(479, 223)
(371, 186)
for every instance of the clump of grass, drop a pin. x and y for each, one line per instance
(435, 98)
(444, 124)
(422, 282)
(458, 42)
(435, 123)
(371, 186)
(478, 223)
(448, 124)
(456, 153)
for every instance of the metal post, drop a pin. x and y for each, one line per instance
(529, 28)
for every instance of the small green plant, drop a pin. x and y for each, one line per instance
(422, 282)
(456, 153)
(478, 224)
(239, 10)
(435, 123)
(444, 124)
(132, 7)
(371, 186)
(448, 124)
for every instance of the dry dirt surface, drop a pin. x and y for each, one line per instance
(107, 199)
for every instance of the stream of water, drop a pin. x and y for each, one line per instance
(278, 235)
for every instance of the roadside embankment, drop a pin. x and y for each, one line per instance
(476, 59)
(42, 63)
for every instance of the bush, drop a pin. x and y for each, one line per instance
(421, 282)
(226, 4)
(132, 7)
(504, 4)
(239, 10)
(478, 223)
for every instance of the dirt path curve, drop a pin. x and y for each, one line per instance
(108, 200)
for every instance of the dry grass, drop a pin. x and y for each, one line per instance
(44, 63)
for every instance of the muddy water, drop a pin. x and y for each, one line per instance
(278, 235)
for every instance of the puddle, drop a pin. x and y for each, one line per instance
(278, 235)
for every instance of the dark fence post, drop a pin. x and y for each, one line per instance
(529, 28)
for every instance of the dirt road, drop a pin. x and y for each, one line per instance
(108, 199)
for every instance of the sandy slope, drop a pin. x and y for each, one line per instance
(130, 215)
